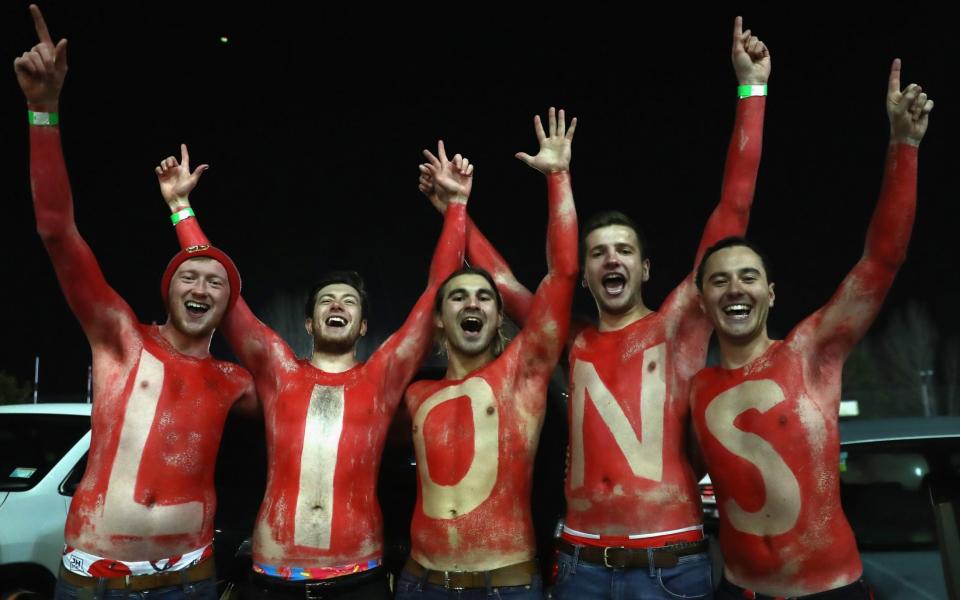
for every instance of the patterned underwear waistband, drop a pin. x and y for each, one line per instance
(303, 573)
(90, 565)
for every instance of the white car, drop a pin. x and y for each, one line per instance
(43, 451)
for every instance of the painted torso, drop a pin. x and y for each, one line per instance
(628, 470)
(768, 432)
(157, 419)
(475, 442)
(325, 435)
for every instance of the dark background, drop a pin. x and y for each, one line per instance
(313, 121)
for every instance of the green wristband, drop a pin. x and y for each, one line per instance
(43, 118)
(181, 215)
(746, 91)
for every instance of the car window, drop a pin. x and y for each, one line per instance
(886, 487)
(32, 444)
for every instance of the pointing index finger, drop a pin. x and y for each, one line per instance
(893, 84)
(40, 25)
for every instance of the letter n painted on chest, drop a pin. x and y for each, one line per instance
(450, 501)
(781, 507)
(644, 455)
(318, 464)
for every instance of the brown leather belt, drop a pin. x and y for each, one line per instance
(618, 557)
(517, 574)
(199, 572)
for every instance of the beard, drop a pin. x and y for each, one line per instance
(336, 346)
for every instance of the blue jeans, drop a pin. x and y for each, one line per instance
(577, 580)
(412, 588)
(205, 589)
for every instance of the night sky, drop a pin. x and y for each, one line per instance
(313, 121)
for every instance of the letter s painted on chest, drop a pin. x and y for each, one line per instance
(781, 506)
(475, 487)
(645, 456)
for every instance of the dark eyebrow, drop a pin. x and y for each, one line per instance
(750, 270)
(331, 295)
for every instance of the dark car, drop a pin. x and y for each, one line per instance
(899, 486)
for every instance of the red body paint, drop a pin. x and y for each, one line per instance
(616, 485)
(769, 433)
(475, 450)
(326, 431)
(147, 492)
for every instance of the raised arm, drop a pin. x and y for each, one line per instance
(257, 346)
(517, 298)
(403, 352)
(544, 335)
(838, 326)
(100, 310)
(751, 62)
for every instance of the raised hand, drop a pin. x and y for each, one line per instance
(42, 69)
(429, 190)
(750, 56)
(908, 110)
(450, 181)
(176, 180)
(555, 148)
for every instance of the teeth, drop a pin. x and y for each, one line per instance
(736, 309)
(614, 283)
(337, 321)
(196, 306)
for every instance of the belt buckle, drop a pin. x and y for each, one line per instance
(447, 582)
(606, 559)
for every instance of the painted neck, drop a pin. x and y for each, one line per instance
(196, 346)
(735, 353)
(334, 362)
(460, 365)
(613, 322)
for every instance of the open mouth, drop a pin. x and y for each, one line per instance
(336, 321)
(737, 311)
(471, 325)
(196, 308)
(614, 283)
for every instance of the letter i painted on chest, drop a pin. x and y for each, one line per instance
(645, 456)
(318, 464)
(121, 511)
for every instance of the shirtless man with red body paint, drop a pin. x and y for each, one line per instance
(320, 527)
(476, 431)
(767, 417)
(630, 487)
(142, 516)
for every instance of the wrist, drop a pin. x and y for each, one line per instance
(42, 118)
(904, 141)
(51, 106)
(178, 204)
(181, 215)
(748, 90)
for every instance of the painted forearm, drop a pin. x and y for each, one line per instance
(732, 214)
(189, 233)
(405, 350)
(83, 284)
(52, 198)
(561, 226)
(892, 222)
(517, 299)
